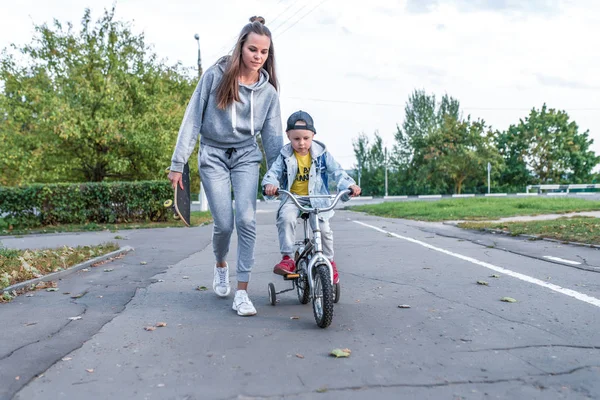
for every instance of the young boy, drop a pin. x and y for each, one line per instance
(303, 167)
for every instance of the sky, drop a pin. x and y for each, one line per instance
(352, 64)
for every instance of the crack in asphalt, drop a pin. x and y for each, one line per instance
(458, 302)
(586, 266)
(536, 346)
(421, 385)
(4, 357)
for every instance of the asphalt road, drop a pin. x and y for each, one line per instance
(456, 341)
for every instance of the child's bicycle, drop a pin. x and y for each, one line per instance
(313, 279)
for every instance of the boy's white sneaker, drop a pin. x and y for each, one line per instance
(242, 304)
(221, 281)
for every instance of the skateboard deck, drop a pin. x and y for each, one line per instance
(181, 199)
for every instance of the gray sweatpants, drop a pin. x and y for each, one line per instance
(222, 170)
(287, 216)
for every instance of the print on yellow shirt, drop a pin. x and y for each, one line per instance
(300, 185)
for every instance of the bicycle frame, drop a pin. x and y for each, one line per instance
(313, 243)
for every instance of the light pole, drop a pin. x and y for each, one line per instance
(197, 37)
(202, 196)
(489, 170)
(385, 164)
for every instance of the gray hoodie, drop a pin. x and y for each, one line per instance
(258, 112)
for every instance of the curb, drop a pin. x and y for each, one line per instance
(534, 237)
(60, 274)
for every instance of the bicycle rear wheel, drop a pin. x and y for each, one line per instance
(323, 296)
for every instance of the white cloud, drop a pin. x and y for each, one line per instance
(353, 64)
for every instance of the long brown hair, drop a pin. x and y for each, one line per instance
(227, 91)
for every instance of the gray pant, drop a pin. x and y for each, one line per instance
(222, 170)
(287, 216)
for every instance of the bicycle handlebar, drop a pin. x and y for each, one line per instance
(295, 198)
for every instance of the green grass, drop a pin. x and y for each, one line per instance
(21, 265)
(197, 218)
(477, 209)
(576, 229)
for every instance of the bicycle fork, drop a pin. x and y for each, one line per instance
(317, 257)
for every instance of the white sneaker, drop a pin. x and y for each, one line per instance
(242, 304)
(221, 281)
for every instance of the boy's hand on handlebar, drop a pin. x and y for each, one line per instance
(355, 190)
(270, 190)
(175, 178)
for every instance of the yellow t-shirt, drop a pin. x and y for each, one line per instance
(300, 185)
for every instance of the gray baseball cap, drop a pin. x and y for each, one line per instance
(300, 116)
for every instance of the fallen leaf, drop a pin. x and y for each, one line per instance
(295, 317)
(143, 262)
(90, 370)
(52, 289)
(17, 378)
(109, 269)
(508, 300)
(202, 288)
(67, 358)
(29, 295)
(484, 283)
(150, 328)
(322, 389)
(299, 355)
(76, 296)
(85, 269)
(403, 306)
(494, 276)
(75, 318)
(337, 353)
(186, 277)
(161, 324)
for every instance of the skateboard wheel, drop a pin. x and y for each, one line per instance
(168, 203)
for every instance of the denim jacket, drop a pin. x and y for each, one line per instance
(283, 173)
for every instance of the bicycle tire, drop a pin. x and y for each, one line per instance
(323, 296)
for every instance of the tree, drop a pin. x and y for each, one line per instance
(546, 148)
(411, 155)
(460, 150)
(370, 164)
(89, 105)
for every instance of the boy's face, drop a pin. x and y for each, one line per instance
(301, 140)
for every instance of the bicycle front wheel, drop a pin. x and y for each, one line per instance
(322, 296)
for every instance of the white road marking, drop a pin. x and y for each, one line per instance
(568, 292)
(562, 260)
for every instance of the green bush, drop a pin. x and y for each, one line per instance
(81, 203)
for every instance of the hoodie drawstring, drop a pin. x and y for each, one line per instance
(252, 112)
(233, 117)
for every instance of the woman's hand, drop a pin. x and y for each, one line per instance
(175, 178)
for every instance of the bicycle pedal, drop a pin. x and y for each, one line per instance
(289, 277)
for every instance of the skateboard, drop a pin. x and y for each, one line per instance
(180, 204)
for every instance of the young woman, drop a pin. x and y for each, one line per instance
(235, 100)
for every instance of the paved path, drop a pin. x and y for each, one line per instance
(457, 339)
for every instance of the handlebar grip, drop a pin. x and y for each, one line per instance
(264, 194)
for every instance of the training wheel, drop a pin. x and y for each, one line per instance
(168, 203)
(272, 294)
(336, 292)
